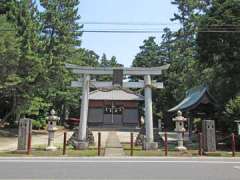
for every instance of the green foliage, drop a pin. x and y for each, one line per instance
(60, 39)
(84, 57)
(36, 124)
(196, 58)
(219, 51)
(39, 119)
(233, 108)
(149, 54)
(152, 55)
(33, 56)
(4, 6)
(39, 124)
(105, 62)
(37, 104)
(231, 114)
(9, 53)
(20, 64)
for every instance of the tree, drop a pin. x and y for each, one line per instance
(61, 38)
(185, 60)
(105, 62)
(85, 57)
(219, 51)
(149, 55)
(231, 114)
(152, 55)
(166, 47)
(178, 49)
(4, 6)
(9, 57)
(26, 68)
(34, 47)
(61, 31)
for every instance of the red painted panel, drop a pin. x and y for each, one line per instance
(96, 103)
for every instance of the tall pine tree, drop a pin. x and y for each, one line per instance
(218, 42)
(28, 71)
(61, 37)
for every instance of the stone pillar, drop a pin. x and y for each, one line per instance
(190, 128)
(149, 144)
(238, 126)
(82, 142)
(160, 125)
(24, 128)
(209, 136)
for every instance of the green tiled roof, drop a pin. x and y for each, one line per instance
(193, 98)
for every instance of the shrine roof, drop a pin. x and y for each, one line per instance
(193, 98)
(115, 94)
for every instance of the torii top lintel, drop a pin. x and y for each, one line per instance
(109, 70)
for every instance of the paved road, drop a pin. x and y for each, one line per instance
(120, 168)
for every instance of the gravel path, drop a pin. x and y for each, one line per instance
(113, 145)
(10, 143)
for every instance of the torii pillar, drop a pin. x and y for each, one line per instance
(82, 142)
(149, 143)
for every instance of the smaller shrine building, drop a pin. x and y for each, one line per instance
(114, 108)
(198, 102)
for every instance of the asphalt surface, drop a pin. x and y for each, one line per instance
(120, 168)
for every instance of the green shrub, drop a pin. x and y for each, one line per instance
(232, 110)
(39, 123)
(36, 124)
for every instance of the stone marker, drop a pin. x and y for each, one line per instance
(180, 120)
(160, 125)
(52, 127)
(209, 138)
(24, 128)
(238, 126)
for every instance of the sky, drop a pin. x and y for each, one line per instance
(123, 46)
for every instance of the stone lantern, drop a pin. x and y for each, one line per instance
(52, 127)
(180, 120)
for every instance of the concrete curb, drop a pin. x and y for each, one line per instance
(117, 157)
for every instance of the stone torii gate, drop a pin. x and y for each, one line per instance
(117, 73)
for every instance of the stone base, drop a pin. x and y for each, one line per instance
(21, 151)
(51, 148)
(150, 146)
(81, 145)
(73, 140)
(142, 135)
(181, 148)
(214, 153)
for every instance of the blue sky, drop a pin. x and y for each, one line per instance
(123, 46)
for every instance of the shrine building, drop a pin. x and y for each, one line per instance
(114, 108)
